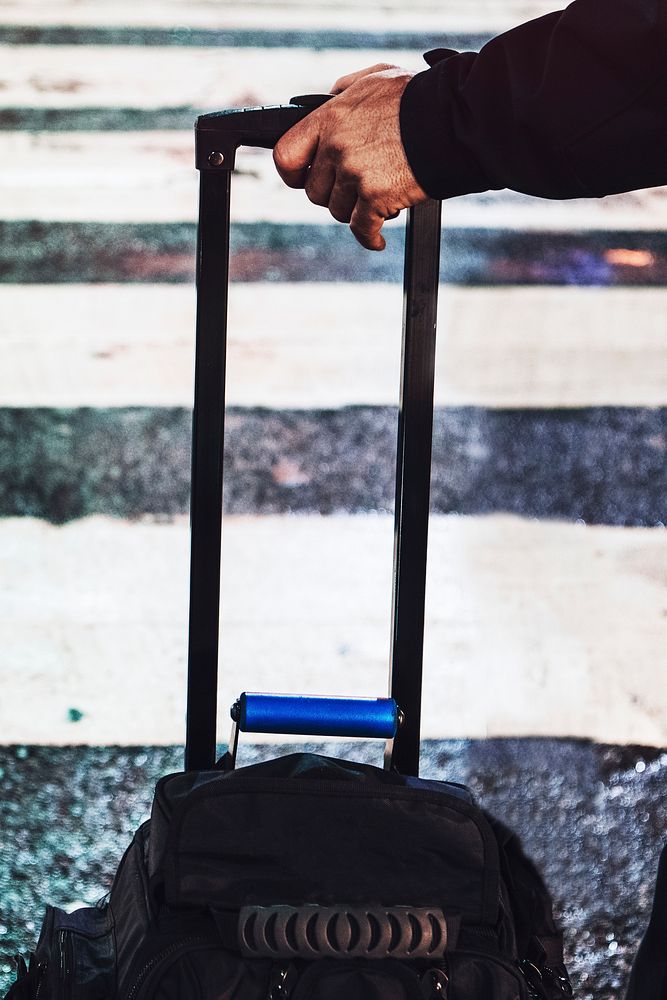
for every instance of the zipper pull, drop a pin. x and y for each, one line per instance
(280, 984)
(31, 975)
(435, 983)
(534, 981)
(560, 979)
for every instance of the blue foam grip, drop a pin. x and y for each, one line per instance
(371, 718)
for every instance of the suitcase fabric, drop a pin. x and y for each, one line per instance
(307, 877)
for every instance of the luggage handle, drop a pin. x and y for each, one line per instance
(308, 715)
(220, 133)
(218, 136)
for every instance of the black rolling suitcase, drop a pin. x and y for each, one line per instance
(307, 877)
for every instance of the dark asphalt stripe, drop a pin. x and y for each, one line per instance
(592, 817)
(267, 38)
(601, 465)
(92, 252)
(25, 119)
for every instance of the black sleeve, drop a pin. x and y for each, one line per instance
(570, 105)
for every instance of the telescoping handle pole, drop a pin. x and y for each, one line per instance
(413, 475)
(217, 137)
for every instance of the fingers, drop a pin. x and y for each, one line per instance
(348, 154)
(344, 82)
(342, 200)
(294, 153)
(320, 181)
(366, 223)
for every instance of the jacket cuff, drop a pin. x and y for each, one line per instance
(443, 166)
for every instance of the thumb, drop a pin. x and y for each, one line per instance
(295, 151)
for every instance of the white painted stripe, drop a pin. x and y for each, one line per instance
(150, 177)
(311, 346)
(532, 628)
(373, 15)
(118, 177)
(79, 76)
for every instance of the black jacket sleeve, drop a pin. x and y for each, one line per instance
(570, 105)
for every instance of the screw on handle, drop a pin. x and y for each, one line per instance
(218, 135)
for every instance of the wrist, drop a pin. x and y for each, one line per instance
(428, 119)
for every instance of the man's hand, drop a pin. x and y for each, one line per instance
(348, 154)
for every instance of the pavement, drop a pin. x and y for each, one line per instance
(601, 465)
(532, 628)
(66, 252)
(592, 816)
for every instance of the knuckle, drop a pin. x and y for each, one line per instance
(281, 157)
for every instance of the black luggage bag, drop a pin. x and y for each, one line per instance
(307, 877)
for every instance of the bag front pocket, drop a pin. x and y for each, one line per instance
(364, 980)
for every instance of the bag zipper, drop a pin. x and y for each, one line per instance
(172, 951)
(235, 782)
(24, 971)
(66, 961)
(43, 967)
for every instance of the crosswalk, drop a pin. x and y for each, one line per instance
(427, 16)
(546, 578)
(545, 640)
(149, 177)
(498, 347)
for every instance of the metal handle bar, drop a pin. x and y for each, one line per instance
(218, 135)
